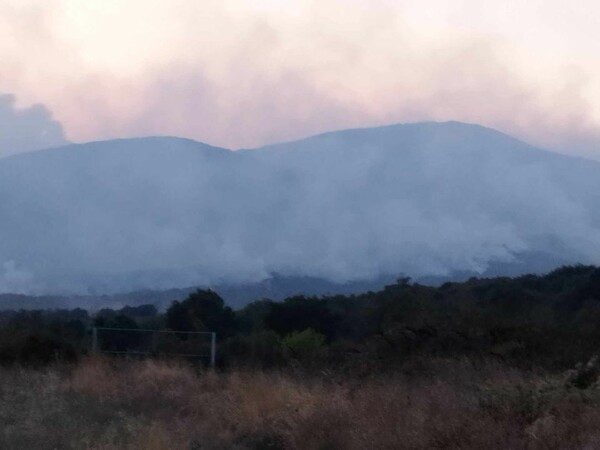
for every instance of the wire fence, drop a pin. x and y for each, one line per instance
(130, 341)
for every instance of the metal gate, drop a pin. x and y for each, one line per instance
(133, 341)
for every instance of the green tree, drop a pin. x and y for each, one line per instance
(299, 313)
(203, 310)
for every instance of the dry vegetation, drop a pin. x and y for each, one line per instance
(154, 405)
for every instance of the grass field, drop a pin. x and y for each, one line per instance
(152, 405)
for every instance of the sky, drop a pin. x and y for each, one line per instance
(243, 74)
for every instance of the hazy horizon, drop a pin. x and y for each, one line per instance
(428, 199)
(237, 75)
(430, 196)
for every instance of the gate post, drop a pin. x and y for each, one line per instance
(213, 349)
(95, 340)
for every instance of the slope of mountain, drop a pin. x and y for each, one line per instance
(426, 200)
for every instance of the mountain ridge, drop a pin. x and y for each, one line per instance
(327, 134)
(426, 199)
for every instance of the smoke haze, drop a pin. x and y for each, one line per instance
(422, 199)
(27, 129)
(241, 75)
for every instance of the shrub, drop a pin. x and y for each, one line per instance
(259, 349)
(305, 343)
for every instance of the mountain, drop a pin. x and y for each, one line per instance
(276, 287)
(429, 200)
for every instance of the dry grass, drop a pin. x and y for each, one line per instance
(157, 405)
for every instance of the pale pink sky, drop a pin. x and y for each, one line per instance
(240, 74)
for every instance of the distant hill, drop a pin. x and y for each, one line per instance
(431, 200)
(276, 287)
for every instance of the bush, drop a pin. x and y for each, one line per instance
(299, 313)
(259, 349)
(34, 348)
(304, 344)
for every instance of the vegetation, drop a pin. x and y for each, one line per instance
(491, 363)
(157, 405)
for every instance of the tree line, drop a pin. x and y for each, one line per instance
(550, 321)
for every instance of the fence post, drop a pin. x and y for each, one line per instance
(94, 340)
(213, 349)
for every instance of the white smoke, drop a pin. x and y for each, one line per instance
(422, 199)
(27, 129)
